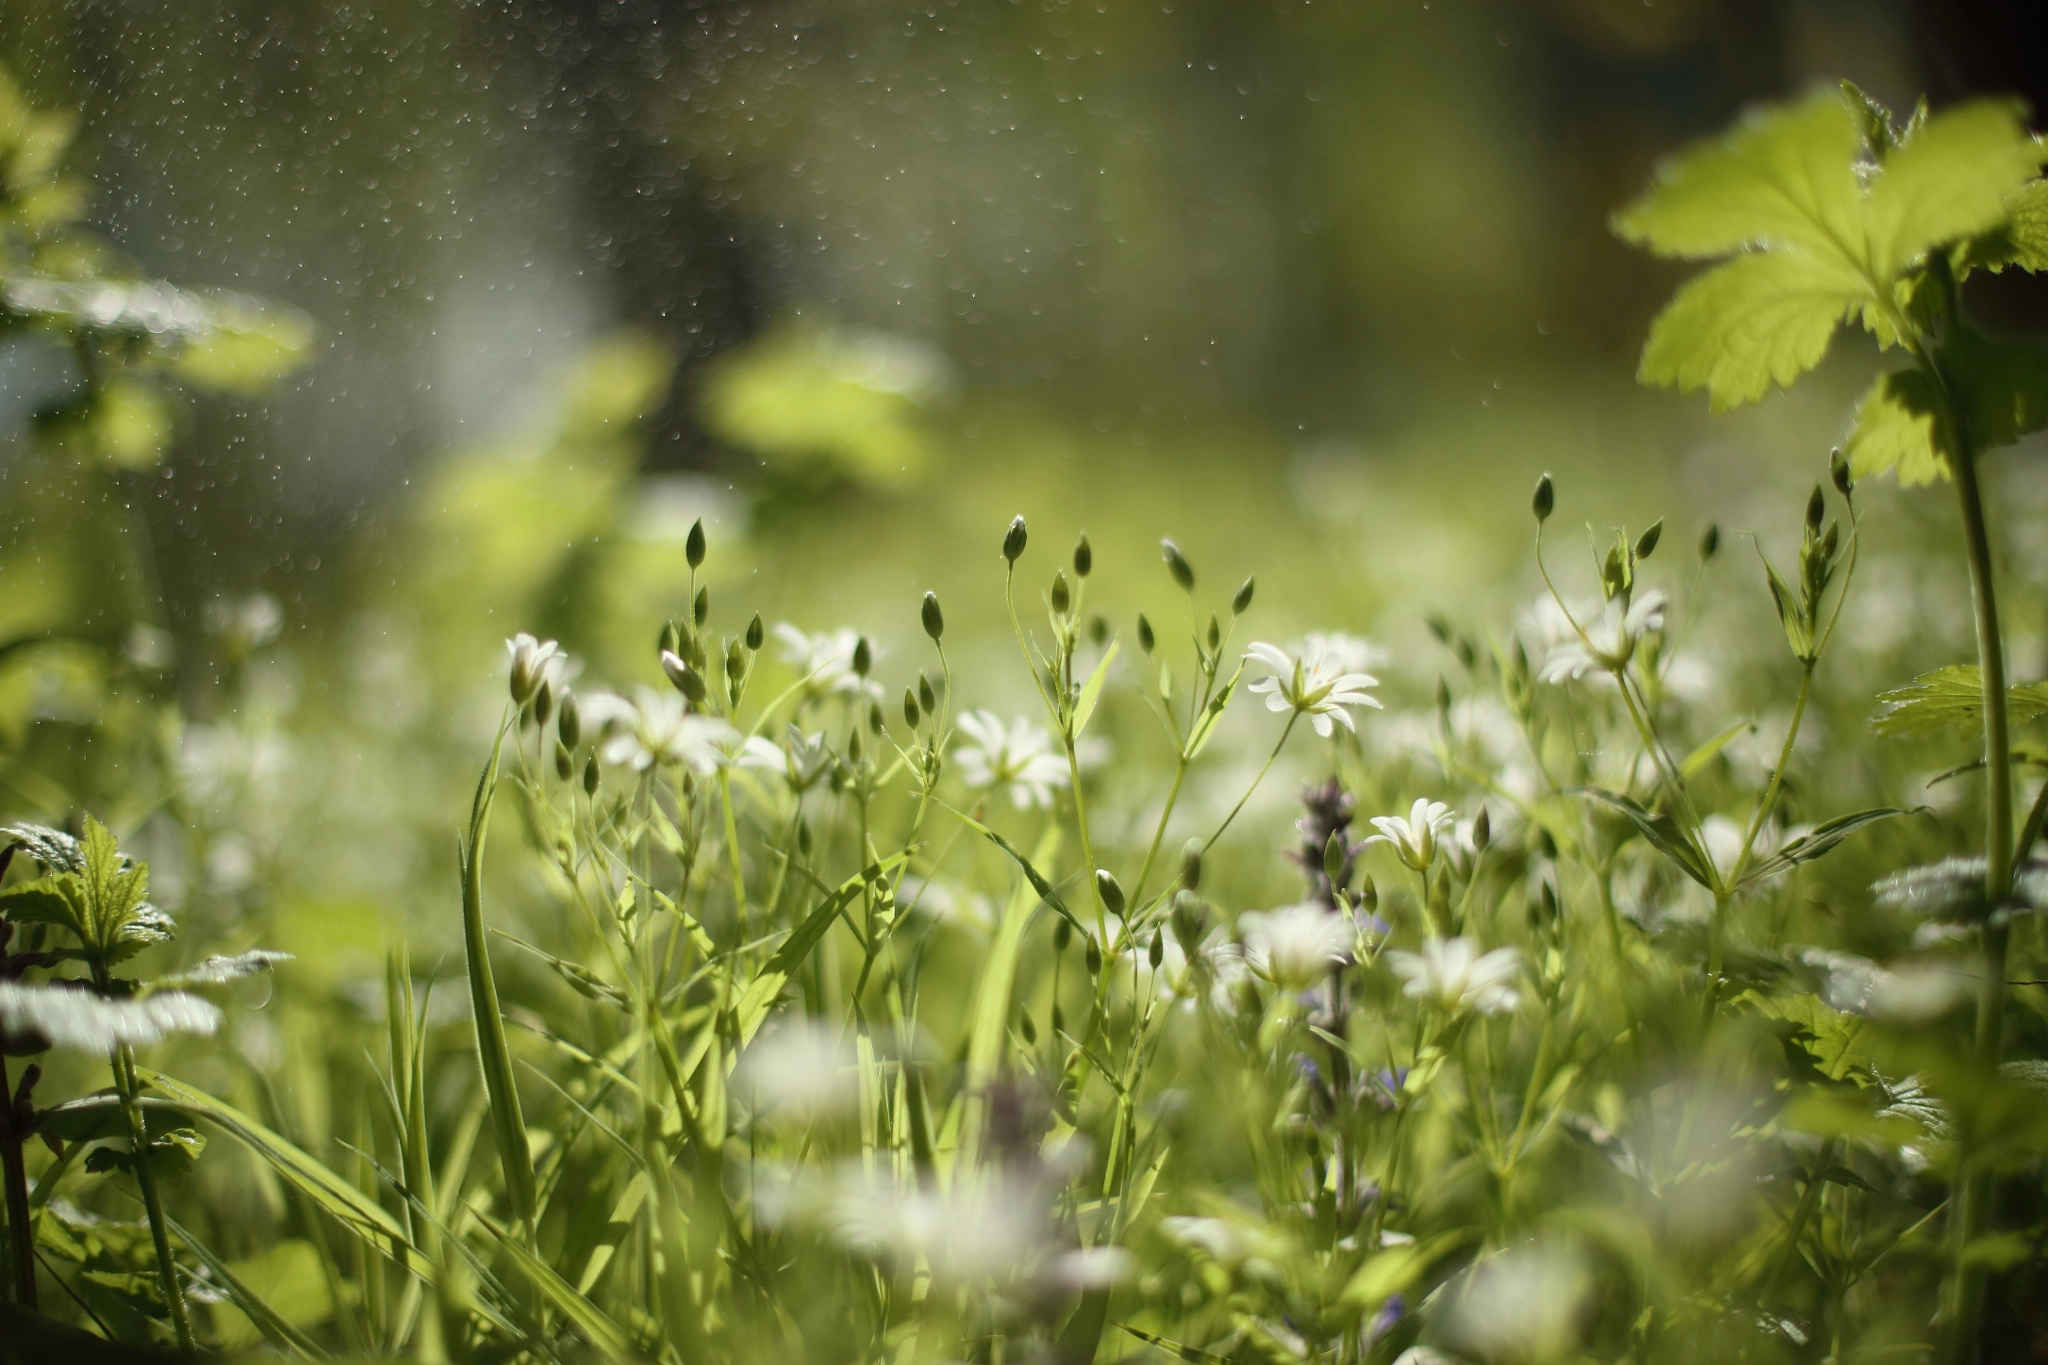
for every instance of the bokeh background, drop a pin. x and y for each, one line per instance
(1316, 288)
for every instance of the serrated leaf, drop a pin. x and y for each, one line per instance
(1951, 698)
(1949, 179)
(2026, 228)
(90, 1023)
(1785, 176)
(1899, 427)
(1662, 832)
(1761, 319)
(1821, 840)
(53, 848)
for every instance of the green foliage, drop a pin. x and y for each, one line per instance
(1950, 700)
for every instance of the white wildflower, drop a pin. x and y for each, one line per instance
(655, 728)
(533, 663)
(1296, 947)
(1020, 758)
(826, 660)
(1455, 976)
(799, 760)
(1414, 839)
(1609, 642)
(1319, 683)
(1522, 1304)
(800, 1065)
(989, 1229)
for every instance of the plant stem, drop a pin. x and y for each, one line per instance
(1277, 747)
(123, 1062)
(1974, 1208)
(21, 1240)
(1180, 772)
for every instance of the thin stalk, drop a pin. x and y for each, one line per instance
(123, 1063)
(1180, 773)
(20, 1239)
(1211, 840)
(732, 845)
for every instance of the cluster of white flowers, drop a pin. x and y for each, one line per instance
(800, 760)
(826, 660)
(1020, 758)
(1608, 642)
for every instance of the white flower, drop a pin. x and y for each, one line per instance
(533, 662)
(826, 660)
(1608, 643)
(1020, 758)
(802, 1064)
(91, 1023)
(654, 728)
(1524, 1303)
(963, 1235)
(1414, 839)
(1319, 684)
(1295, 947)
(799, 760)
(1453, 975)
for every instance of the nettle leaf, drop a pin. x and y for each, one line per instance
(58, 899)
(1762, 319)
(53, 848)
(91, 1023)
(1952, 699)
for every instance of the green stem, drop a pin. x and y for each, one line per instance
(1967, 1283)
(1211, 840)
(21, 1239)
(1180, 773)
(732, 845)
(123, 1062)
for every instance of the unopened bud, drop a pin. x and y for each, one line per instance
(1710, 541)
(1062, 931)
(1336, 853)
(1098, 629)
(934, 619)
(1013, 540)
(591, 776)
(1062, 598)
(1368, 895)
(1831, 541)
(1215, 632)
(693, 547)
(1111, 893)
(803, 837)
(1027, 1028)
(927, 698)
(875, 716)
(686, 679)
(1240, 603)
(565, 763)
(1084, 557)
(1545, 499)
(1094, 958)
(756, 632)
(1838, 470)
(1145, 636)
(1646, 544)
(1816, 508)
(1482, 830)
(1177, 565)
(1156, 954)
(543, 704)
(1191, 864)
(1190, 918)
(570, 723)
(853, 749)
(863, 656)
(700, 610)
(1443, 698)
(735, 661)
(910, 713)
(671, 638)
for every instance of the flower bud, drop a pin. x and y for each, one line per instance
(701, 608)
(1646, 544)
(934, 619)
(1062, 932)
(1191, 864)
(1177, 565)
(1094, 958)
(927, 698)
(1084, 558)
(735, 661)
(1838, 470)
(863, 656)
(1062, 597)
(1829, 543)
(910, 714)
(1111, 893)
(1013, 540)
(565, 764)
(853, 749)
(756, 632)
(803, 837)
(1368, 894)
(1027, 1028)
(693, 547)
(1190, 919)
(686, 679)
(1336, 853)
(1544, 501)
(1482, 830)
(875, 716)
(1710, 541)
(1215, 632)
(1156, 954)
(1145, 637)
(671, 638)
(543, 705)
(570, 723)
(1816, 509)
(591, 776)
(1243, 600)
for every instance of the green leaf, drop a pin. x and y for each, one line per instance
(1046, 891)
(1951, 698)
(1662, 832)
(1784, 177)
(57, 899)
(87, 1022)
(2005, 384)
(1091, 691)
(1699, 758)
(1899, 427)
(1761, 319)
(2026, 228)
(1791, 615)
(1903, 424)
(581, 979)
(1949, 179)
(762, 991)
(1821, 840)
(591, 1320)
(270, 1296)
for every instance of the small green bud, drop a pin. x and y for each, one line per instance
(756, 632)
(1098, 629)
(1482, 830)
(569, 724)
(910, 712)
(693, 547)
(1829, 543)
(1062, 597)
(1177, 565)
(735, 660)
(1816, 509)
(853, 747)
(934, 619)
(1549, 902)
(1240, 603)
(1112, 894)
(543, 705)
(927, 698)
(1368, 895)
(875, 716)
(1439, 627)
(1145, 637)
(1156, 954)
(1027, 1028)
(1710, 541)
(1191, 864)
(1013, 540)
(565, 763)
(1467, 652)
(803, 837)
(1545, 499)
(1838, 470)
(671, 639)
(1094, 958)
(863, 656)
(1215, 632)
(685, 678)
(1336, 853)
(1062, 931)
(1646, 544)
(700, 610)
(591, 776)
(1084, 558)
(1190, 919)
(1443, 699)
